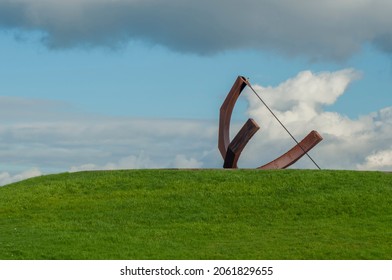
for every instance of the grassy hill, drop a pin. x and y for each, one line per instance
(198, 214)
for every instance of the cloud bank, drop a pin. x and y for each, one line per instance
(7, 178)
(49, 143)
(72, 142)
(321, 29)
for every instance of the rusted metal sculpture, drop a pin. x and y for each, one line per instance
(231, 150)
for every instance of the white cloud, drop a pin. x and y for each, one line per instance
(303, 97)
(380, 160)
(142, 161)
(6, 178)
(326, 28)
(181, 161)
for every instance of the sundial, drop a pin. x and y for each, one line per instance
(231, 149)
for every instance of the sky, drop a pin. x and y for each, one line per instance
(122, 84)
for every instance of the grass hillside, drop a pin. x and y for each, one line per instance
(198, 214)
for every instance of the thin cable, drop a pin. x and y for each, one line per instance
(250, 86)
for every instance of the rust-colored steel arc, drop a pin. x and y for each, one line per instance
(239, 142)
(226, 111)
(294, 154)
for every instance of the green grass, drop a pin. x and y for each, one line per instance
(198, 214)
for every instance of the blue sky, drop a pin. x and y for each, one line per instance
(144, 80)
(76, 71)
